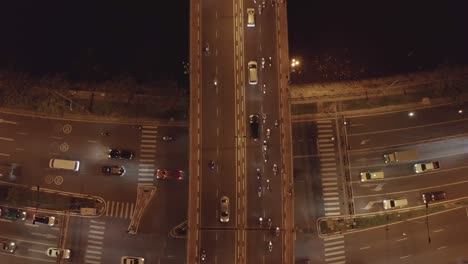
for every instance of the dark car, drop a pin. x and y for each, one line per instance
(164, 174)
(113, 170)
(120, 154)
(433, 196)
(13, 214)
(254, 126)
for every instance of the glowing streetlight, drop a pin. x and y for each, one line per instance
(411, 114)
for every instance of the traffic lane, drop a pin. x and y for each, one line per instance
(257, 246)
(25, 232)
(426, 151)
(383, 138)
(387, 244)
(373, 202)
(401, 119)
(255, 204)
(411, 182)
(216, 185)
(220, 245)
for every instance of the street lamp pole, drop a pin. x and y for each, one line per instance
(427, 224)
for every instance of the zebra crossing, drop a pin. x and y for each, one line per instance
(148, 155)
(333, 246)
(328, 167)
(119, 209)
(93, 252)
(334, 250)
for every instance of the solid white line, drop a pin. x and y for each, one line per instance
(331, 199)
(333, 238)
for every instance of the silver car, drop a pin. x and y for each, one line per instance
(224, 209)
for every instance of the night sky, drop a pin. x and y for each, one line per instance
(148, 40)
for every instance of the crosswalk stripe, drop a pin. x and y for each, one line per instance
(329, 183)
(146, 169)
(335, 258)
(326, 150)
(324, 135)
(148, 156)
(330, 193)
(98, 222)
(148, 141)
(333, 238)
(328, 173)
(334, 243)
(146, 164)
(327, 154)
(325, 130)
(94, 247)
(95, 237)
(147, 146)
(95, 242)
(148, 136)
(96, 232)
(329, 179)
(333, 203)
(328, 164)
(333, 248)
(127, 206)
(326, 145)
(327, 159)
(145, 179)
(332, 213)
(328, 169)
(338, 262)
(97, 227)
(324, 125)
(331, 198)
(122, 210)
(331, 208)
(324, 121)
(149, 132)
(150, 126)
(334, 253)
(330, 189)
(107, 207)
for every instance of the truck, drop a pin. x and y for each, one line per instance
(400, 156)
(422, 167)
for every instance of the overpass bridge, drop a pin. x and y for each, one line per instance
(224, 158)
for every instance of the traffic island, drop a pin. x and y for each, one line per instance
(51, 200)
(329, 226)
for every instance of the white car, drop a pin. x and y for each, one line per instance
(395, 203)
(370, 176)
(252, 72)
(250, 17)
(132, 260)
(56, 252)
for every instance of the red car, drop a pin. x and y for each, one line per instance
(164, 174)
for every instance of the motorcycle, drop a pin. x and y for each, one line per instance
(203, 255)
(268, 133)
(276, 123)
(168, 138)
(275, 169)
(263, 63)
(277, 231)
(268, 185)
(212, 165)
(265, 145)
(259, 175)
(270, 246)
(264, 117)
(259, 191)
(264, 88)
(269, 223)
(260, 221)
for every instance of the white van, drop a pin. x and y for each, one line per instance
(252, 68)
(250, 17)
(64, 164)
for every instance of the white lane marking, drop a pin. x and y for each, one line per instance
(98, 222)
(329, 183)
(401, 239)
(94, 247)
(144, 169)
(366, 247)
(95, 242)
(329, 174)
(331, 199)
(95, 237)
(92, 141)
(6, 139)
(333, 238)
(148, 156)
(148, 141)
(331, 208)
(332, 213)
(328, 169)
(148, 150)
(4, 154)
(334, 253)
(407, 256)
(325, 135)
(145, 160)
(334, 243)
(333, 203)
(145, 179)
(330, 193)
(333, 248)
(92, 262)
(443, 247)
(97, 227)
(148, 136)
(147, 146)
(93, 252)
(149, 131)
(329, 179)
(438, 230)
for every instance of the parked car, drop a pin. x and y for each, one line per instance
(433, 196)
(13, 214)
(164, 174)
(132, 260)
(120, 154)
(224, 209)
(58, 252)
(8, 246)
(113, 170)
(370, 176)
(395, 203)
(48, 220)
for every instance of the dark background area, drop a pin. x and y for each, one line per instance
(94, 41)
(349, 40)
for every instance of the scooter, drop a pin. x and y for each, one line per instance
(269, 223)
(277, 231)
(203, 255)
(270, 246)
(260, 221)
(259, 175)
(275, 169)
(259, 191)
(268, 133)
(268, 185)
(276, 123)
